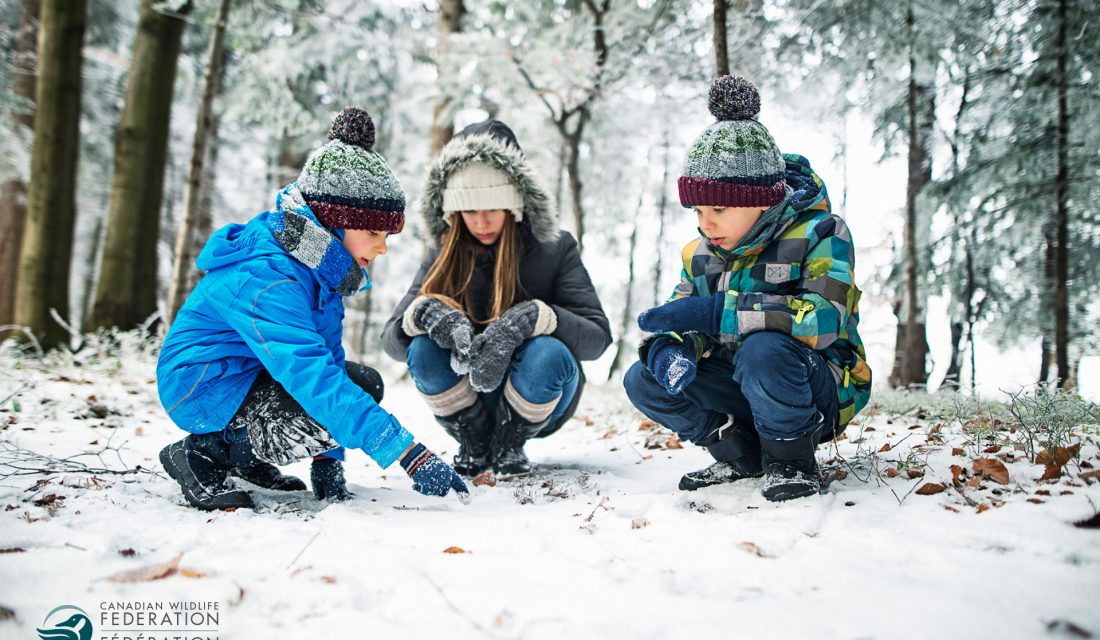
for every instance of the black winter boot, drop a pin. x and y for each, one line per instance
(200, 464)
(327, 477)
(511, 433)
(791, 468)
(472, 428)
(245, 465)
(737, 451)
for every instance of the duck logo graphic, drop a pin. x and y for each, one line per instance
(74, 626)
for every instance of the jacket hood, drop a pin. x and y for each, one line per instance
(290, 227)
(500, 153)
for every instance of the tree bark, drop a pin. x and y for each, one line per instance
(13, 192)
(573, 171)
(127, 291)
(921, 109)
(624, 326)
(205, 126)
(43, 275)
(1061, 212)
(662, 204)
(721, 53)
(450, 21)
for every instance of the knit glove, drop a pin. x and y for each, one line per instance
(446, 326)
(491, 353)
(671, 362)
(431, 476)
(701, 314)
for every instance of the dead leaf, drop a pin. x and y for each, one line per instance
(139, 431)
(48, 499)
(328, 579)
(840, 474)
(950, 508)
(884, 448)
(1090, 474)
(913, 474)
(974, 482)
(992, 449)
(187, 572)
(982, 507)
(454, 550)
(13, 550)
(891, 472)
(752, 548)
(957, 451)
(148, 574)
(957, 472)
(992, 468)
(647, 425)
(1089, 523)
(1035, 501)
(588, 422)
(673, 443)
(485, 479)
(1042, 492)
(1052, 472)
(930, 489)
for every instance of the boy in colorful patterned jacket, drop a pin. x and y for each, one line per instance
(756, 356)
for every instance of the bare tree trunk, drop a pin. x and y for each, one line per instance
(90, 269)
(721, 55)
(573, 171)
(450, 21)
(921, 107)
(51, 203)
(624, 326)
(1061, 213)
(205, 123)
(127, 291)
(13, 192)
(662, 205)
(954, 368)
(1044, 363)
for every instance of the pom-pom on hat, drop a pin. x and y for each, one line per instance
(735, 162)
(347, 184)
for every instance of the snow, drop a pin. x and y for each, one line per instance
(599, 543)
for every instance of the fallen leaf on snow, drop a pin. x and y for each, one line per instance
(455, 550)
(913, 474)
(957, 451)
(1089, 523)
(148, 574)
(992, 468)
(1091, 474)
(930, 489)
(752, 548)
(1052, 472)
(884, 448)
(187, 572)
(982, 507)
(956, 472)
(485, 479)
(13, 550)
(891, 472)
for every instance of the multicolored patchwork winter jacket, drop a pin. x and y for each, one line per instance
(798, 279)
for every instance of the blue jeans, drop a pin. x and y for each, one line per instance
(774, 382)
(542, 369)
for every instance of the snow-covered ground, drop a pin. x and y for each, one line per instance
(598, 544)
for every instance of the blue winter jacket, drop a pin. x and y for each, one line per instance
(272, 298)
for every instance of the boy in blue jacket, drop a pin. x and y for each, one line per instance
(253, 367)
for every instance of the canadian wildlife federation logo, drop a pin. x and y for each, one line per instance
(66, 623)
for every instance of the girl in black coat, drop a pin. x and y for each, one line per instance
(502, 308)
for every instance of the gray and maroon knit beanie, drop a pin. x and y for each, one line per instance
(347, 184)
(735, 162)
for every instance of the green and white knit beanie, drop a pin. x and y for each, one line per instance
(347, 184)
(735, 162)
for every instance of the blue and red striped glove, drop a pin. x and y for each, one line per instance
(702, 314)
(431, 476)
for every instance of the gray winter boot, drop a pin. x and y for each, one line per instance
(736, 448)
(472, 427)
(511, 433)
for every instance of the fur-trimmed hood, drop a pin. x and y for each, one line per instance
(538, 208)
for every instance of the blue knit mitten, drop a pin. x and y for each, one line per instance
(431, 476)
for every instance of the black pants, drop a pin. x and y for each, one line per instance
(280, 430)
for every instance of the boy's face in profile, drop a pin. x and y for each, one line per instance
(365, 245)
(725, 226)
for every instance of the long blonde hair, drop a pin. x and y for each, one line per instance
(449, 277)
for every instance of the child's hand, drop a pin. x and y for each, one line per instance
(700, 314)
(672, 364)
(431, 476)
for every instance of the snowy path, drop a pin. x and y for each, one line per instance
(599, 545)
